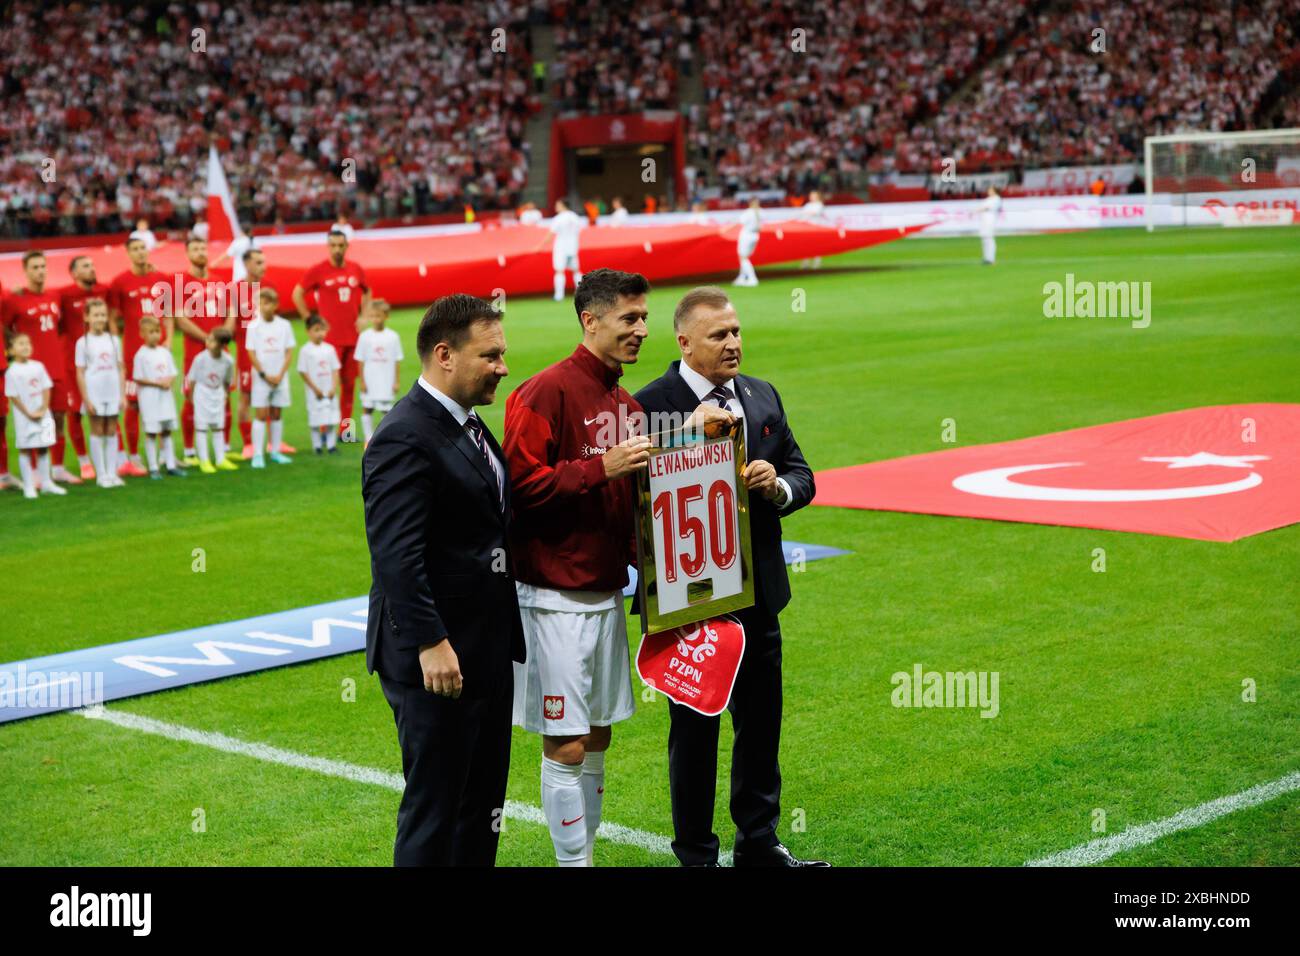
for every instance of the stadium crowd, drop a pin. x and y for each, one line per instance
(289, 91)
(430, 102)
(614, 61)
(1049, 99)
(779, 112)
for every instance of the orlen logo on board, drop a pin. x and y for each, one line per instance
(1214, 205)
(1123, 212)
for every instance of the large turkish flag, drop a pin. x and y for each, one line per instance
(1216, 474)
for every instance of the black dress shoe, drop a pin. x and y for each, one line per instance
(772, 856)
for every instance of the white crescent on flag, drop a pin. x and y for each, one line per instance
(1129, 475)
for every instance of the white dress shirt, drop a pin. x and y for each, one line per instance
(701, 386)
(462, 415)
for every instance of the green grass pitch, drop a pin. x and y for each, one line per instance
(1120, 691)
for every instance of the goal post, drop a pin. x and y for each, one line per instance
(1181, 168)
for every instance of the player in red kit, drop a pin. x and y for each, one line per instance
(7, 481)
(204, 303)
(35, 311)
(342, 296)
(72, 301)
(131, 297)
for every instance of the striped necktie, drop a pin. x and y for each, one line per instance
(475, 429)
(721, 395)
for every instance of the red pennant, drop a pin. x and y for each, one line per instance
(695, 665)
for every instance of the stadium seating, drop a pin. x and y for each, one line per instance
(433, 119)
(290, 91)
(1048, 100)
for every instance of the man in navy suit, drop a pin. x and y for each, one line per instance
(444, 622)
(779, 482)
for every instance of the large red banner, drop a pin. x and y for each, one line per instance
(1215, 474)
(414, 268)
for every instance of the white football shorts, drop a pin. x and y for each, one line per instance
(578, 674)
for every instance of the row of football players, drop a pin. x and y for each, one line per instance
(190, 303)
(101, 377)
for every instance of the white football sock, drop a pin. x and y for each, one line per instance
(593, 795)
(151, 451)
(219, 444)
(577, 277)
(559, 286)
(28, 473)
(331, 437)
(259, 437)
(562, 802)
(110, 456)
(83, 460)
(189, 453)
(97, 443)
(201, 439)
(367, 425)
(317, 439)
(169, 450)
(43, 466)
(277, 433)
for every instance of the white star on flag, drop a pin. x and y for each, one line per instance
(1209, 458)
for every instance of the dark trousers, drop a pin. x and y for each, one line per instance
(755, 772)
(455, 758)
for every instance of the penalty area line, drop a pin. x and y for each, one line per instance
(514, 809)
(1103, 848)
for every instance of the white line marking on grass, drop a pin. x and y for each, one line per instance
(524, 812)
(1103, 848)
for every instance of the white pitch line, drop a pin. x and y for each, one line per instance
(514, 810)
(1103, 848)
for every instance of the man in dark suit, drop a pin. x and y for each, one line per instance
(707, 380)
(444, 621)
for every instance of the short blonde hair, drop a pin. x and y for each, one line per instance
(709, 295)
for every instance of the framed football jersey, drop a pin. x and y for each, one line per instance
(693, 544)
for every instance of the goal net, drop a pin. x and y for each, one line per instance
(1245, 178)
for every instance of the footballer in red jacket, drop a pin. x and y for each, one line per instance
(342, 296)
(571, 449)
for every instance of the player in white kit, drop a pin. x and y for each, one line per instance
(211, 376)
(154, 372)
(990, 208)
(378, 352)
(750, 224)
(318, 364)
(28, 386)
(814, 210)
(567, 226)
(101, 377)
(270, 349)
(619, 215)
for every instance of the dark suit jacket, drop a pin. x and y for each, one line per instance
(439, 555)
(770, 440)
